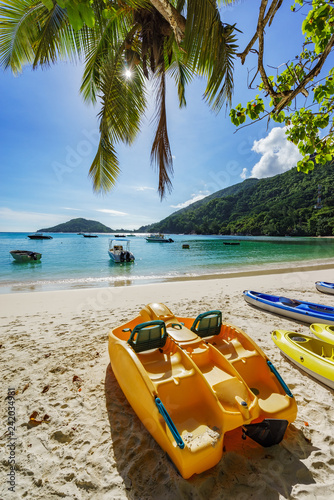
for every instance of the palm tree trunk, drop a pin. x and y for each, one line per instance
(172, 16)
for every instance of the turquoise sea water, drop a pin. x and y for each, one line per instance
(72, 261)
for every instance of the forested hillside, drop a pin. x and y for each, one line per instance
(79, 225)
(276, 206)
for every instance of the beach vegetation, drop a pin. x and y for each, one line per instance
(300, 93)
(152, 39)
(125, 44)
(277, 206)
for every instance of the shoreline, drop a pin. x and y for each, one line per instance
(102, 283)
(92, 445)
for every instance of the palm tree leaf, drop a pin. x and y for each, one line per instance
(98, 44)
(210, 48)
(105, 167)
(123, 103)
(56, 39)
(182, 76)
(161, 152)
(18, 32)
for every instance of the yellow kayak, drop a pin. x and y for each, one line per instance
(192, 380)
(314, 356)
(323, 332)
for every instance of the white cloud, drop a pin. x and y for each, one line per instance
(144, 188)
(74, 209)
(110, 212)
(278, 154)
(194, 197)
(244, 174)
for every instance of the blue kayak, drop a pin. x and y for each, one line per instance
(325, 287)
(307, 312)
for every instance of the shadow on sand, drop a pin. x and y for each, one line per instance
(246, 470)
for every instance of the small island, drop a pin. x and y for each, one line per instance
(79, 225)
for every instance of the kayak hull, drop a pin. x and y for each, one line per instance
(324, 287)
(306, 312)
(313, 356)
(323, 332)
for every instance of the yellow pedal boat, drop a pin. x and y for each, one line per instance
(314, 356)
(323, 332)
(192, 380)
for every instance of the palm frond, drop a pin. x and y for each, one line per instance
(210, 48)
(161, 153)
(182, 76)
(98, 44)
(56, 38)
(105, 167)
(18, 32)
(123, 103)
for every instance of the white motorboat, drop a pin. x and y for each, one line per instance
(158, 238)
(119, 251)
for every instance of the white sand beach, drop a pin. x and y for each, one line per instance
(86, 441)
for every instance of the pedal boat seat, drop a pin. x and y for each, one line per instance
(148, 335)
(207, 324)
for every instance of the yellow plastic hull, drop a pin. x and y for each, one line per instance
(313, 356)
(323, 332)
(208, 387)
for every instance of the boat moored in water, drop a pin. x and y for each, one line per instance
(299, 310)
(192, 380)
(158, 238)
(39, 236)
(313, 356)
(25, 255)
(119, 251)
(88, 235)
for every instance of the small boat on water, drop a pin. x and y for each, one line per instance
(323, 332)
(325, 287)
(299, 310)
(39, 236)
(119, 251)
(191, 380)
(88, 235)
(25, 255)
(158, 238)
(231, 243)
(313, 356)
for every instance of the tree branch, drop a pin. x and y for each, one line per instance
(312, 74)
(268, 18)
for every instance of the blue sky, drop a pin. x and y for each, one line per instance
(48, 138)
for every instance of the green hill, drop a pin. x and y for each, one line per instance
(78, 226)
(276, 206)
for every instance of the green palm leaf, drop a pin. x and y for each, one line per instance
(210, 48)
(18, 32)
(123, 103)
(160, 152)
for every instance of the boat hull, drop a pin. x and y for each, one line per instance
(39, 237)
(25, 256)
(313, 356)
(324, 287)
(305, 312)
(117, 258)
(323, 332)
(209, 387)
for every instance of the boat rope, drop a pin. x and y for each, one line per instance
(279, 378)
(170, 423)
